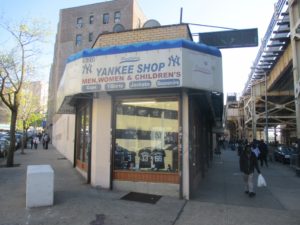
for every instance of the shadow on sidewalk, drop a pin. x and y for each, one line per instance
(223, 184)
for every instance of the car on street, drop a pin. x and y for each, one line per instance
(282, 154)
(19, 138)
(4, 145)
(5, 142)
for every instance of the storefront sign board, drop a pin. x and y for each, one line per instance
(166, 64)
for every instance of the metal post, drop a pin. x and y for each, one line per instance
(181, 10)
(253, 114)
(266, 109)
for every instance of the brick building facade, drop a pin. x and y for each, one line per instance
(78, 29)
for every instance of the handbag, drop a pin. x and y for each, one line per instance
(261, 182)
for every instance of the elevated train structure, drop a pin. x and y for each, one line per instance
(270, 100)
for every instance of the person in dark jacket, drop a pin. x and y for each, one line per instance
(263, 148)
(248, 161)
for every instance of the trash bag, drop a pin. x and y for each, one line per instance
(261, 182)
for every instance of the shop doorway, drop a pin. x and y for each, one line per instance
(83, 137)
(200, 139)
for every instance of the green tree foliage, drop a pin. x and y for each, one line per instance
(29, 113)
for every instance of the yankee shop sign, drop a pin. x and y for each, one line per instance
(191, 66)
(127, 71)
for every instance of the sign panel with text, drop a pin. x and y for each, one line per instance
(231, 38)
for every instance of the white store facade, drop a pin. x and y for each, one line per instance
(145, 115)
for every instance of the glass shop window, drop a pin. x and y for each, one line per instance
(146, 136)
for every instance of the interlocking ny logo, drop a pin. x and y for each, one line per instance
(87, 68)
(174, 61)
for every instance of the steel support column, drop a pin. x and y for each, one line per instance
(295, 40)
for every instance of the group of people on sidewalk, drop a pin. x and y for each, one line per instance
(45, 138)
(250, 154)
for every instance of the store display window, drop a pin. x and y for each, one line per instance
(146, 135)
(83, 135)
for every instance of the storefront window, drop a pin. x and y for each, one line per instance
(83, 136)
(146, 137)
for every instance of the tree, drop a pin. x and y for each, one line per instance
(16, 66)
(29, 111)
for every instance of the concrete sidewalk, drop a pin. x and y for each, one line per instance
(220, 199)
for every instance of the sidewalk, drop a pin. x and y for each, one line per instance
(219, 201)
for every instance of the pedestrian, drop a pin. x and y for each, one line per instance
(255, 149)
(35, 142)
(43, 140)
(46, 140)
(263, 157)
(249, 161)
(240, 147)
(31, 142)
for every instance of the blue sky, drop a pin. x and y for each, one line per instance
(238, 14)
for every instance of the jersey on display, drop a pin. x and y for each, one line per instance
(145, 158)
(158, 156)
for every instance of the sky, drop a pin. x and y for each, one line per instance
(237, 14)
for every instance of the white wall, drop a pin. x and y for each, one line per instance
(185, 143)
(63, 135)
(101, 141)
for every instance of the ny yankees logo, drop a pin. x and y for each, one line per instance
(87, 68)
(174, 61)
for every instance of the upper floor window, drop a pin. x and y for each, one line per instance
(79, 22)
(91, 19)
(78, 41)
(117, 17)
(90, 36)
(105, 18)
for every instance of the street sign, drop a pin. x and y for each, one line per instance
(231, 38)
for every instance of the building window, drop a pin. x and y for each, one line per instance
(90, 37)
(105, 18)
(78, 40)
(91, 19)
(117, 17)
(79, 22)
(146, 135)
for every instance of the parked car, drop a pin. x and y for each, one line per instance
(7, 137)
(282, 154)
(4, 145)
(19, 138)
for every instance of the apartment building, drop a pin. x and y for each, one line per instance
(78, 29)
